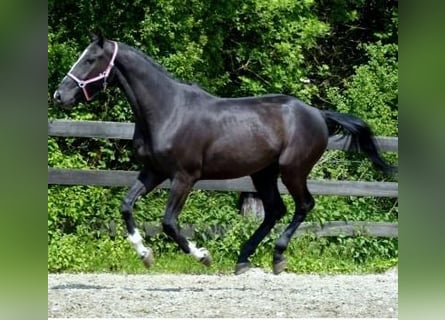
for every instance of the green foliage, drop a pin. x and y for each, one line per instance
(342, 255)
(343, 53)
(372, 92)
(79, 252)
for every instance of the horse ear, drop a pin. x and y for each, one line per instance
(93, 36)
(98, 37)
(100, 40)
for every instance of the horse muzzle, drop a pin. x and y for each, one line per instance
(62, 100)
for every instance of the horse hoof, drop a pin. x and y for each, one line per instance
(279, 266)
(206, 260)
(242, 267)
(148, 259)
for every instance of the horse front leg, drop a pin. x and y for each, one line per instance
(145, 182)
(180, 188)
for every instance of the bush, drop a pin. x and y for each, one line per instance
(372, 92)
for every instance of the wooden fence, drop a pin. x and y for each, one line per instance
(118, 130)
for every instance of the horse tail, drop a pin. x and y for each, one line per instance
(361, 137)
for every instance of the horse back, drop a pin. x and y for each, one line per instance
(245, 135)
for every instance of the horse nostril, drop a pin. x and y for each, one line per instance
(57, 96)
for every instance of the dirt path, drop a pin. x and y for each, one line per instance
(253, 294)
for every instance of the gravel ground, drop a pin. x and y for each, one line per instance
(253, 294)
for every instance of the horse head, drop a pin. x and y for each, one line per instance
(90, 74)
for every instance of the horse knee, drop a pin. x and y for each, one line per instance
(278, 211)
(126, 208)
(308, 204)
(275, 209)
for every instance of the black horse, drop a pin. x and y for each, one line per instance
(185, 134)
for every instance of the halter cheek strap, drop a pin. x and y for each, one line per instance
(103, 75)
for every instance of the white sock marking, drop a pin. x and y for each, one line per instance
(198, 253)
(136, 240)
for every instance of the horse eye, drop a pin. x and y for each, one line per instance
(90, 61)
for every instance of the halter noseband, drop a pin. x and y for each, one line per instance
(103, 75)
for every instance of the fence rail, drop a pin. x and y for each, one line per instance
(120, 178)
(118, 130)
(124, 130)
(327, 229)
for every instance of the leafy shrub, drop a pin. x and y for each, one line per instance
(373, 90)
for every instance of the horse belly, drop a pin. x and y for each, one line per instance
(235, 160)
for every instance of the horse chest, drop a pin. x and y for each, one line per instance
(149, 147)
(156, 155)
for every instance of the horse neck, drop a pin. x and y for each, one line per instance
(148, 89)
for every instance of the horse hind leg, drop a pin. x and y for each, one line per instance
(265, 183)
(304, 202)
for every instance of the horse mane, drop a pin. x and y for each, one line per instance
(154, 64)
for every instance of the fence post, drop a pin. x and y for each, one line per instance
(251, 205)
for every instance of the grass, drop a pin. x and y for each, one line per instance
(71, 253)
(78, 242)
